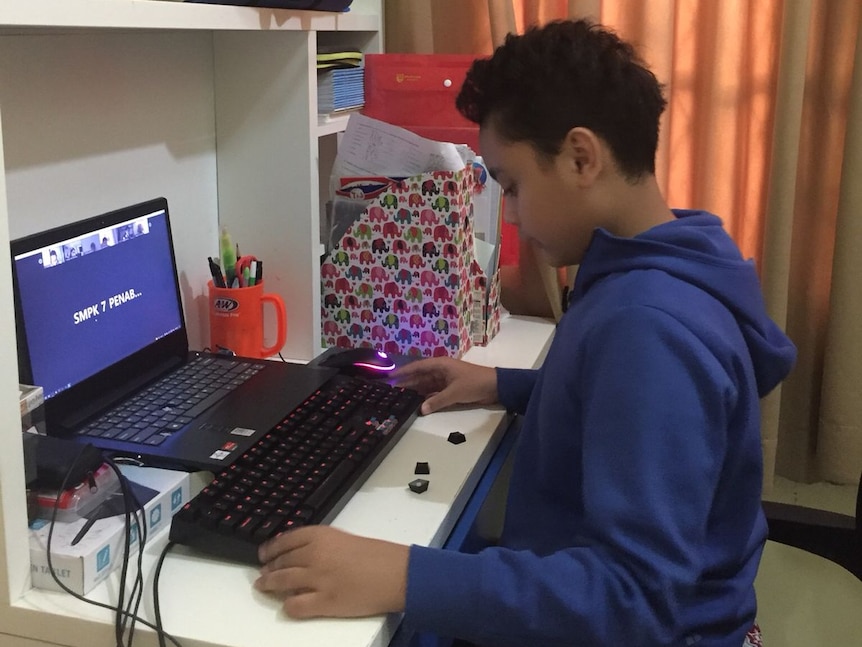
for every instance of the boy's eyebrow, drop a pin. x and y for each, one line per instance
(494, 173)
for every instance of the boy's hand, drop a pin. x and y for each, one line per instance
(447, 381)
(322, 571)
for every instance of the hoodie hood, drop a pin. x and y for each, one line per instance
(695, 248)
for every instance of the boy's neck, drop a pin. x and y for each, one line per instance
(638, 207)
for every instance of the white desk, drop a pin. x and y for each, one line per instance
(206, 602)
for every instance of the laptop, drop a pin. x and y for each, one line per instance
(99, 322)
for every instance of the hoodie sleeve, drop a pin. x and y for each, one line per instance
(514, 387)
(653, 403)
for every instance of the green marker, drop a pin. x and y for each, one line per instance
(228, 256)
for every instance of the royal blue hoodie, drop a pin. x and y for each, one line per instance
(633, 514)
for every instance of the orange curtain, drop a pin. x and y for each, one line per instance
(718, 61)
(763, 101)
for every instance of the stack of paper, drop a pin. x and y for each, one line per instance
(340, 89)
(340, 79)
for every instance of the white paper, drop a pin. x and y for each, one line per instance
(371, 148)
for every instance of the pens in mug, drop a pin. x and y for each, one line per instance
(215, 270)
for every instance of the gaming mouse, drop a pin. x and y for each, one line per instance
(361, 361)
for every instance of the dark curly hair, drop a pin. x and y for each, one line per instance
(538, 86)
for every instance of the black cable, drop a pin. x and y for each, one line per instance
(139, 580)
(119, 618)
(132, 507)
(157, 609)
(122, 614)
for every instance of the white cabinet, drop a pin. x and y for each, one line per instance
(108, 102)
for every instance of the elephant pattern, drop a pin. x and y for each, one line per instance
(400, 306)
(442, 232)
(441, 265)
(428, 217)
(401, 278)
(450, 250)
(403, 216)
(405, 277)
(441, 203)
(429, 187)
(390, 262)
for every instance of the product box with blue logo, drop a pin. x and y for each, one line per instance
(84, 551)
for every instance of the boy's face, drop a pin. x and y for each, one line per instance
(545, 198)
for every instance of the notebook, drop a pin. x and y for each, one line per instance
(99, 319)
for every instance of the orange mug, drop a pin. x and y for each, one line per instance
(237, 320)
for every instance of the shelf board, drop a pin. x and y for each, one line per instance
(173, 14)
(333, 123)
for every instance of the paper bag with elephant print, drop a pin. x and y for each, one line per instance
(404, 278)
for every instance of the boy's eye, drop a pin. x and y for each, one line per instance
(510, 191)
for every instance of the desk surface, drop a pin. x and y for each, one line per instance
(210, 603)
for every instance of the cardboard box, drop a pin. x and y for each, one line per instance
(32, 401)
(100, 551)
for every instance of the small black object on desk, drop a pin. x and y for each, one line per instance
(418, 485)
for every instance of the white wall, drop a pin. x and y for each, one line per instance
(96, 122)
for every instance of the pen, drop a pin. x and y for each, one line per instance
(246, 277)
(258, 277)
(252, 274)
(86, 527)
(215, 270)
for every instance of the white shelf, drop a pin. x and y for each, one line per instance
(109, 102)
(160, 14)
(331, 124)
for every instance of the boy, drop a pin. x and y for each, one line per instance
(634, 506)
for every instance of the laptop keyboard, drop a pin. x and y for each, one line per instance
(301, 472)
(151, 416)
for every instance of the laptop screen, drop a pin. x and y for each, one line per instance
(93, 293)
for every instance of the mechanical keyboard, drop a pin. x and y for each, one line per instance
(302, 472)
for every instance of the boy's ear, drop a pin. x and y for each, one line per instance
(584, 153)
